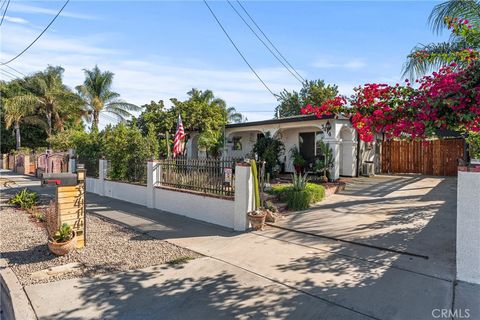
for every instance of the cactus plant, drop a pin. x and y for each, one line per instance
(256, 190)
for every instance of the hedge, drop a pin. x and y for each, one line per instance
(299, 200)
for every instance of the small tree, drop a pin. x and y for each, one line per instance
(313, 92)
(269, 149)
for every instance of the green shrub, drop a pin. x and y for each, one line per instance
(24, 199)
(317, 192)
(298, 200)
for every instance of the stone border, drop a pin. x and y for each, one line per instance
(14, 301)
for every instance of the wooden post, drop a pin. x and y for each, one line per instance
(71, 206)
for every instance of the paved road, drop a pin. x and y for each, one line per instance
(269, 274)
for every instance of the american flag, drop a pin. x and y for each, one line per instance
(179, 136)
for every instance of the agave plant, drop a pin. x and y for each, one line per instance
(299, 181)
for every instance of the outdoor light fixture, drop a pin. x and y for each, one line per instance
(328, 127)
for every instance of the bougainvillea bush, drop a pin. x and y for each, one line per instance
(447, 99)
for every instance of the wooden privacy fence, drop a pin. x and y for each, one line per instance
(209, 176)
(434, 157)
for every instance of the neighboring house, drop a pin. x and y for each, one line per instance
(303, 132)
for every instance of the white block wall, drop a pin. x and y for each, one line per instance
(209, 209)
(230, 213)
(468, 227)
(126, 192)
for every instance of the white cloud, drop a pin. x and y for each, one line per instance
(15, 20)
(23, 8)
(353, 64)
(140, 80)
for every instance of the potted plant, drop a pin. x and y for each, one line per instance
(297, 159)
(63, 241)
(257, 216)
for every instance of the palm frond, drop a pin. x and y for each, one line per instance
(462, 9)
(440, 54)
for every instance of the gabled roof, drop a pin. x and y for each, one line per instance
(285, 120)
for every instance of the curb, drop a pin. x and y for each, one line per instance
(14, 302)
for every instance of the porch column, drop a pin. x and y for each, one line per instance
(335, 146)
(349, 158)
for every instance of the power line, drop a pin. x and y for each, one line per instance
(7, 74)
(4, 12)
(19, 72)
(11, 74)
(269, 41)
(3, 3)
(263, 42)
(238, 50)
(44, 30)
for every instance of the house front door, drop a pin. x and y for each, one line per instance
(307, 147)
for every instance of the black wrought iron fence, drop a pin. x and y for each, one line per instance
(91, 165)
(208, 176)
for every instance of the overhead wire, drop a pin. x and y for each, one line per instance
(238, 50)
(269, 41)
(11, 74)
(264, 44)
(19, 72)
(44, 30)
(4, 12)
(7, 74)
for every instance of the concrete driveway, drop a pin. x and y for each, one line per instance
(411, 215)
(288, 274)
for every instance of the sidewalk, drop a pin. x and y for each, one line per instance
(269, 274)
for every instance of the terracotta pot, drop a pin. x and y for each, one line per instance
(298, 168)
(63, 248)
(257, 221)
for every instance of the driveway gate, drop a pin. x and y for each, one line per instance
(434, 157)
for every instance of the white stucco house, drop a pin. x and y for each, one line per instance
(302, 131)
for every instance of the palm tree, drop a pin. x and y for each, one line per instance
(233, 116)
(444, 53)
(53, 98)
(98, 96)
(207, 96)
(18, 110)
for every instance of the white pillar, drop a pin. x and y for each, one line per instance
(349, 158)
(153, 180)
(243, 196)
(102, 172)
(468, 227)
(335, 146)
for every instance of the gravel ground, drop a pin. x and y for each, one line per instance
(111, 247)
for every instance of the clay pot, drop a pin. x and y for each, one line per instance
(257, 220)
(63, 248)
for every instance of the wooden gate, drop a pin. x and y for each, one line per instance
(435, 157)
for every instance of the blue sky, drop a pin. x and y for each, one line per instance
(161, 49)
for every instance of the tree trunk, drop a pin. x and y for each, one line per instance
(49, 123)
(95, 119)
(17, 135)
